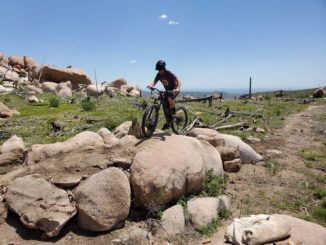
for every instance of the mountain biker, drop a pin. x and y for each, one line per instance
(171, 84)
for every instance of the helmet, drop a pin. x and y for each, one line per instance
(160, 65)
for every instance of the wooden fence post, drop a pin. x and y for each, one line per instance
(210, 101)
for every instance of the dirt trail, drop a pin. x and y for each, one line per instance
(255, 189)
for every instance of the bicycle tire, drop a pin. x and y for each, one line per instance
(148, 127)
(174, 123)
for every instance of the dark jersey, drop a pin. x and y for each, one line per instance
(168, 79)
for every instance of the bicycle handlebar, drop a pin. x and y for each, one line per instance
(160, 91)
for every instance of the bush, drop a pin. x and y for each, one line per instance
(214, 185)
(54, 101)
(209, 229)
(88, 105)
(112, 123)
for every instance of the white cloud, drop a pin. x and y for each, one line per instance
(163, 17)
(133, 61)
(172, 22)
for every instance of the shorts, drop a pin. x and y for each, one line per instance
(172, 94)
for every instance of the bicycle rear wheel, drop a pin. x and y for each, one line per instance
(179, 120)
(150, 119)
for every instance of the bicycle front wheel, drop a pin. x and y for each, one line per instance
(150, 119)
(179, 120)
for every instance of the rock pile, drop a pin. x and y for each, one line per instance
(232, 149)
(96, 175)
(24, 73)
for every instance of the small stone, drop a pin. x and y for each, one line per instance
(232, 166)
(260, 130)
(273, 153)
(252, 139)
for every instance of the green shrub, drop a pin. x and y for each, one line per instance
(319, 212)
(209, 229)
(112, 123)
(319, 193)
(213, 185)
(54, 102)
(88, 105)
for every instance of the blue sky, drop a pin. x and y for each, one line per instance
(208, 44)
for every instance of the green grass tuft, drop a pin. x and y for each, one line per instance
(54, 102)
(88, 105)
(209, 229)
(214, 185)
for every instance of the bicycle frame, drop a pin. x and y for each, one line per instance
(160, 102)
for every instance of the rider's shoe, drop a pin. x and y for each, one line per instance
(166, 126)
(172, 111)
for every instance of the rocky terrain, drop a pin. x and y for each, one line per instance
(117, 187)
(23, 74)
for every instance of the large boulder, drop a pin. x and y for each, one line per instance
(111, 91)
(173, 220)
(6, 90)
(247, 154)
(162, 172)
(122, 151)
(67, 162)
(134, 93)
(34, 90)
(64, 85)
(203, 210)
(318, 93)
(84, 154)
(29, 63)
(257, 229)
(6, 112)
(103, 200)
(122, 129)
(39, 204)
(84, 141)
(4, 61)
(11, 153)
(126, 88)
(94, 90)
(11, 75)
(232, 166)
(49, 87)
(107, 136)
(228, 153)
(118, 83)
(75, 75)
(304, 232)
(64, 92)
(207, 134)
(17, 61)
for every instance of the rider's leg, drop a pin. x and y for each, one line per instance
(166, 114)
(171, 104)
(171, 101)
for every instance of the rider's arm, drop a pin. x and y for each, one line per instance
(153, 84)
(177, 85)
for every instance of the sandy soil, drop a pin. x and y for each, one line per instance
(256, 190)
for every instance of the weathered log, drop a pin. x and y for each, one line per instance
(237, 125)
(222, 121)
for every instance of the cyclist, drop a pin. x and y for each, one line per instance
(171, 84)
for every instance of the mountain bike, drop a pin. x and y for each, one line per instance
(178, 121)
